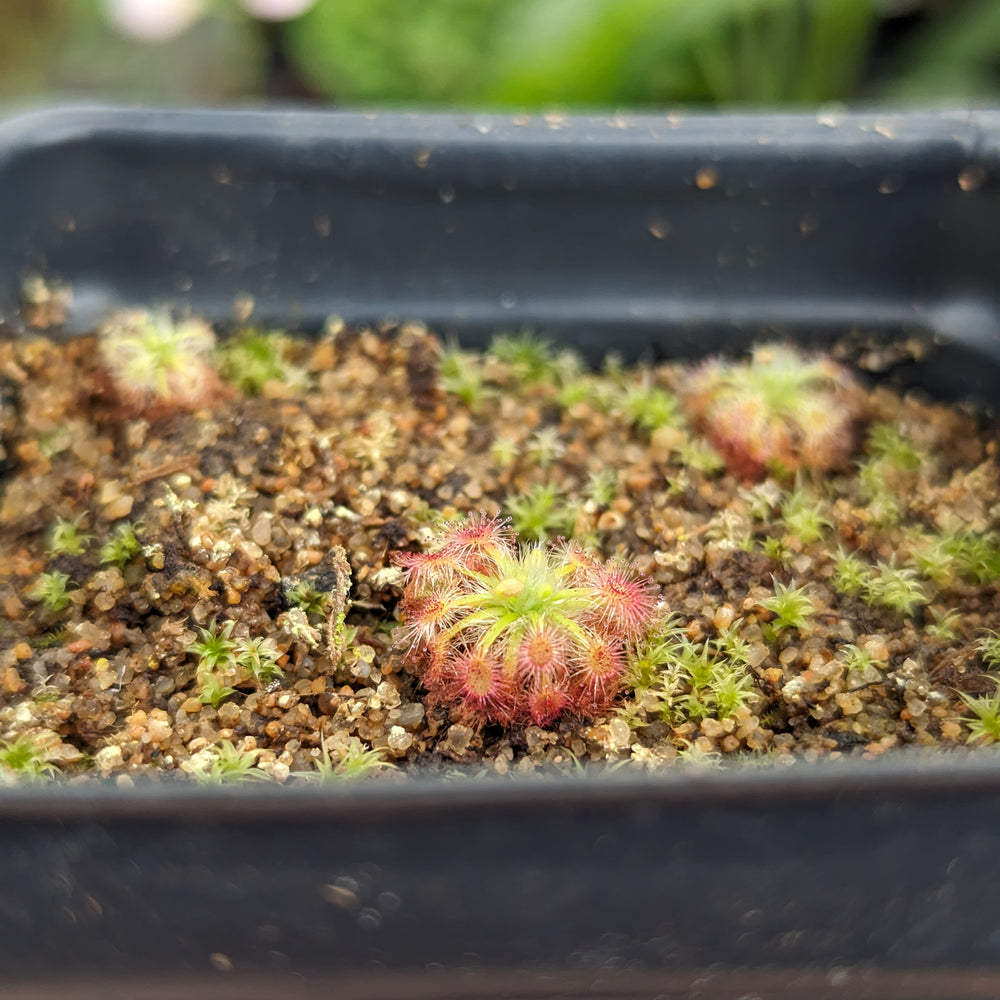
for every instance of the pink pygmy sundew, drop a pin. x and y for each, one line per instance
(777, 413)
(513, 634)
(154, 366)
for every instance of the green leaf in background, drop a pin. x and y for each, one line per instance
(395, 50)
(955, 57)
(575, 52)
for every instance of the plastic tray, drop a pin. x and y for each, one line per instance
(664, 235)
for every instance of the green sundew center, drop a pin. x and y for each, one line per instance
(527, 598)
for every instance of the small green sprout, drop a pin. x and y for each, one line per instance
(893, 458)
(122, 547)
(689, 680)
(216, 648)
(968, 555)
(885, 443)
(985, 727)
(883, 505)
(50, 590)
(698, 454)
(544, 447)
(882, 585)
(354, 762)
(601, 488)
(530, 357)
(650, 408)
(224, 764)
(860, 660)
(731, 690)
(24, 758)
(777, 549)
(505, 451)
(213, 691)
(896, 588)
(944, 626)
(259, 658)
(851, 573)
(596, 393)
(462, 376)
(803, 516)
(988, 647)
(790, 606)
(66, 539)
(539, 514)
(763, 500)
(306, 597)
(976, 555)
(53, 637)
(253, 358)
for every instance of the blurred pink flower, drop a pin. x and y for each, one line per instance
(152, 20)
(161, 20)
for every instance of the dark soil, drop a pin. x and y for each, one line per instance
(355, 452)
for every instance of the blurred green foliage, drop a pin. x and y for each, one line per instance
(67, 49)
(522, 53)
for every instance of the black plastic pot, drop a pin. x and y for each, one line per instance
(674, 236)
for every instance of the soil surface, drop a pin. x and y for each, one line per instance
(211, 589)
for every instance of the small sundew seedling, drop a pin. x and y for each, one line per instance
(882, 477)
(544, 447)
(462, 375)
(51, 591)
(776, 549)
(790, 606)
(985, 727)
(780, 412)
(508, 634)
(883, 585)
(883, 505)
(122, 547)
(156, 365)
(601, 488)
(692, 681)
(505, 451)
(253, 358)
(224, 764)
(968, 555)
(212, 690)
(354, 762)
(697, 454)
(650, 408)
(529, 357)
(763, 500)
(66, 539)
(803, 516)
(259, 658)
(945, 625)
(539, 514)
(217, 648)
(988, 647)
(589, 390)
(850, 573)
(25, 759)
(860, 660)
(306, 597)
(896, 588)
(886, 443)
